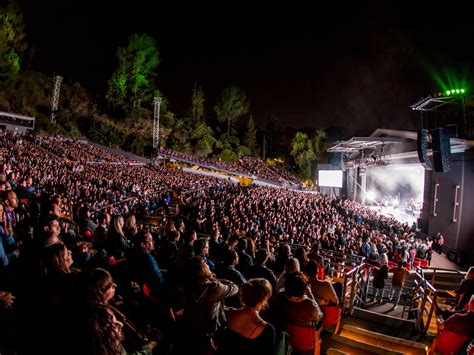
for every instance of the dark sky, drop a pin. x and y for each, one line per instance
(357, 65)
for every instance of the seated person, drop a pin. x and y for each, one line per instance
(466, 290)
(293, 306)
(323, 291)
(247, 332)
(455, 332)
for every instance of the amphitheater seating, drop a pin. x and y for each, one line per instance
(332, 317)
(305, 338)
(447, 342)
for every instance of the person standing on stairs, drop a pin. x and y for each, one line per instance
(380, 275)
(398, 279)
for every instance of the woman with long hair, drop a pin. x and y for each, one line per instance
(291, 265)
(100, 290)
(117, 243)
(56, 260)
(247, 332)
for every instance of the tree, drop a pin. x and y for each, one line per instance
(12, 39)
(303, 154)
(250, 139)
(197, 103)
(133, 80)
(231, 105)
(203, 136)
(319, 143)
(271, 133)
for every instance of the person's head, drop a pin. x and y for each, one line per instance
(295, 285)
(144, 241)
(10, 199)
(230, 257)
(105, 331)
(131, 221)
(311, 268)
(197, 271)
(261, 256)
(84, 212)
(103, 219)
(232, 241)
(201, 246)
(384, 268)
(400, 263)
(284, 250)
(56, 259)
(189, 236)
(242, 244)
(173, 236)
(100, 286)
(52, 227)
(292, 265)
(117, 224)
(255, 293)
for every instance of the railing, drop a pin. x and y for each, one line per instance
(444, 279)
(338, 263)
(423, 303)
(354, 290)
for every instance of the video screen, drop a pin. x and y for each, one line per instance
(330, 178)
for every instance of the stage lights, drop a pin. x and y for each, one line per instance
(455, 92)
(371, 195)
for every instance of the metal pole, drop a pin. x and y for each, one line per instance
(156, 126)
(55, 101)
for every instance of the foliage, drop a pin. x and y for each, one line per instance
(202, 138)
(180, 136)
(303, 154)
(228, 142)
(228, 155)
(271, 133)
(106, 132)
(250, 139)
(133, 80)
(12, 39)
(319, 143)
(243, 151)
(231, 105)
(197, 103)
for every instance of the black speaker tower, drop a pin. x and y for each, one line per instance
(423, 143)
(441, 150)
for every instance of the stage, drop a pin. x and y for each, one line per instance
(397, 213)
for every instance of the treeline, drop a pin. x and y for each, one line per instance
(122, 117)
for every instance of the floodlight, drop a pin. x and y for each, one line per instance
(370, 195)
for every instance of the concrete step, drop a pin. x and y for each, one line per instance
(382, 323)
(352, 346)
(383, 341)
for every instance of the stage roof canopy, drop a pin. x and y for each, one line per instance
(356, 144)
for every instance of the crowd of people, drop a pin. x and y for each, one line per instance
(108, 257)
(247, 165)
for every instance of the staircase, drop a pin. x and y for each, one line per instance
(377, 328)
(367, 332)
(355, 340)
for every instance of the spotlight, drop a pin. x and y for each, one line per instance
(462, 91)
(448, 92)
(370, 195)
(457, 91)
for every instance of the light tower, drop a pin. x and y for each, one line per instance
(156, 126)
(55, 102)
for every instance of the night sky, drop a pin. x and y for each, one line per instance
(357, 65)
